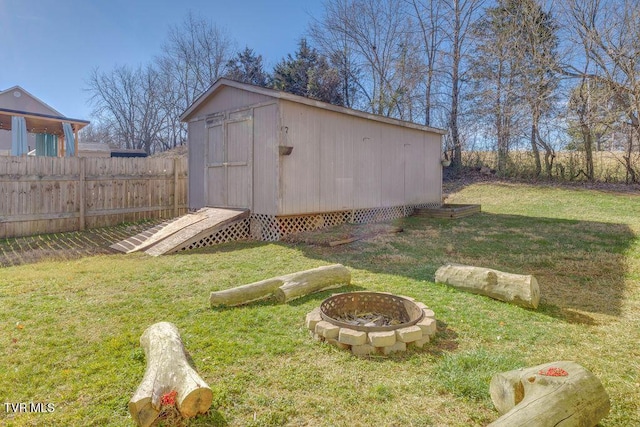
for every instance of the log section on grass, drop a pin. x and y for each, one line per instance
(285, 288)
(518, 289)
(562, 394)
(167, 370)
(303, 283)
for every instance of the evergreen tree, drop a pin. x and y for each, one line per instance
(308, 74)
(247, 67)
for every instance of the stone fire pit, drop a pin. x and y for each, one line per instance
(372, 322)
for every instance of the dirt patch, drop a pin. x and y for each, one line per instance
(342, 234)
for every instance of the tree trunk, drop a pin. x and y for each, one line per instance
(297, 285)
(167, 370)
(534, 145)
(518, 289)
(562, 394)
(285, 288)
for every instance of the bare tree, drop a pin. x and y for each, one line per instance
(608, 32)
(428, 16)
(376, 39)
(127, 99)
(459, 16)
(330, 35)
(195, 55)
(538, 57)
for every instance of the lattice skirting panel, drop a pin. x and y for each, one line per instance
(272, 228)
(238, 230)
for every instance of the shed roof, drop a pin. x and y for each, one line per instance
(224, 82)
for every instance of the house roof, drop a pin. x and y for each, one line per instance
(224, 82)
(21, 95)
(40, 117)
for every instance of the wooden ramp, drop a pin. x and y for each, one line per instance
(178, 233)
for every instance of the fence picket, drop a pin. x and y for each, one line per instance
(51, 195)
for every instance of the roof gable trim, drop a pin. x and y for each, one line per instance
(300, 100)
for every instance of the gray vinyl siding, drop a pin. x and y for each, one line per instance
(266, 132)
(197, 142)
(344, 162)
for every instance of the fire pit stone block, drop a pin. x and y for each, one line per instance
(398, 346)
(428, 326)
(382, 339)
(363, 350)
(351, 337)
(409, 334)
(422, 305)
(313, 318)
(327, 330)
(338, 344)
(429, 313)
(421, 342)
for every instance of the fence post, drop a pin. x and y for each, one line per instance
(175, 185)
(82, 185)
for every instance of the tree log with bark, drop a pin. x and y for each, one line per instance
(168, 370)
(562, 394)
(518, 289)
(285, 288)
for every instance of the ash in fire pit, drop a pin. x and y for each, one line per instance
(369, 322)
(369, 319)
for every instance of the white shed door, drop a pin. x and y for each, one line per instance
(229, 152)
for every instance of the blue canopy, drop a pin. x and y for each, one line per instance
(18, 136)
(69, 140)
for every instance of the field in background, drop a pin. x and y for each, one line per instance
(608, 166)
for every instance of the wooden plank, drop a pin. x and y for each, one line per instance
(215, 218)
(167, 230)
(448, 211)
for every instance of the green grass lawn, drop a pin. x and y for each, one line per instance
(71, 329)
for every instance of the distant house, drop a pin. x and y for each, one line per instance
(297, 163)
(27, 123)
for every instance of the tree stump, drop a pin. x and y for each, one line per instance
(285, 288)
(562, 394)
(167, 370)
(518, 289)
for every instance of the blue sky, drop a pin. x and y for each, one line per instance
(49, 47)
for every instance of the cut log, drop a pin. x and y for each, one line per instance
(306, 282)
(167, 370)
(245, 294)
(562, 394)
(284, 288)
(518, 289)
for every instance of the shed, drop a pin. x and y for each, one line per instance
(298, 163)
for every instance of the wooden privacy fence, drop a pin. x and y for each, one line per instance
(50, 194)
